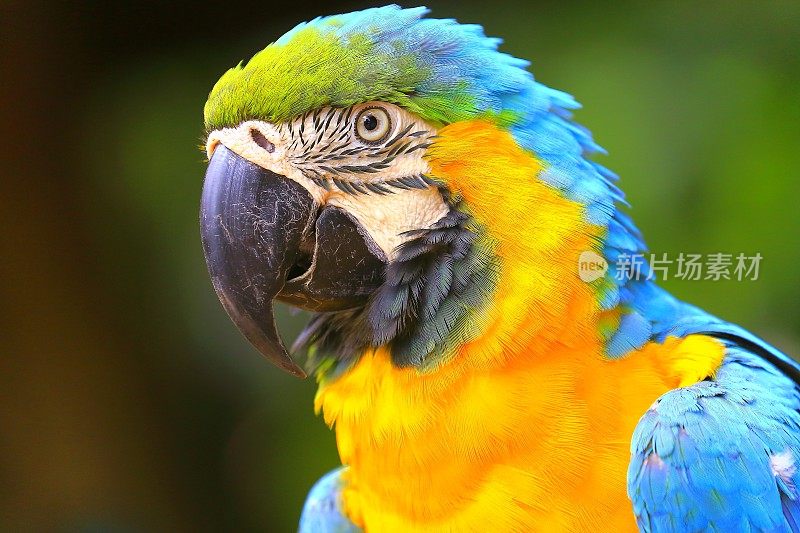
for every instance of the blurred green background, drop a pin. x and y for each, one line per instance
(128, 400)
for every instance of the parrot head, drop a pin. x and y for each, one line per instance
(405, 181)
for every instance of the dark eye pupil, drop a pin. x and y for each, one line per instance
(370, 122)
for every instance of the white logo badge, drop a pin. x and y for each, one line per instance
(591, 266)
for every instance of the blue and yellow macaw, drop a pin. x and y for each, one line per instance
(430, 202)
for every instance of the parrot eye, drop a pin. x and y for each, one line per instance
(373, 125)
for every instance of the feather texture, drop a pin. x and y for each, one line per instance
(720, 455)
(485, 382)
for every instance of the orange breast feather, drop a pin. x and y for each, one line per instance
(528, 427)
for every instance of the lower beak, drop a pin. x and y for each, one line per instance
(259, 228)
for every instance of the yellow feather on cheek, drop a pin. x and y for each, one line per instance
(539, 234)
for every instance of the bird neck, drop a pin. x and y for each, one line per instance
(537, 235)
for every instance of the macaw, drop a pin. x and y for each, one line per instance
(430, 202)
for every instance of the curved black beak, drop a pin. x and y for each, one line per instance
(251, 222)
(259, 229)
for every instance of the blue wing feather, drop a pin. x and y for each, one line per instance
(720, 455)
(322, 512)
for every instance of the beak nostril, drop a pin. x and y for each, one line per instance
(262, 141)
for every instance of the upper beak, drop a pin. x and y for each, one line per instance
(264, 237)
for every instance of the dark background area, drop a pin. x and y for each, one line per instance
(128, 401)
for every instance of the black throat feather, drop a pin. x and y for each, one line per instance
(441, 277)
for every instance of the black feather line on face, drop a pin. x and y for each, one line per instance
(400, 135)
(423, 307)
(359, 186)
(327, 121)
(315, 119)
(325, 141)
(397, 184)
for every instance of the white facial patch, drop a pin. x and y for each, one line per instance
(366, 159)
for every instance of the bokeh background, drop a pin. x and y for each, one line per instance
(128, 401)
